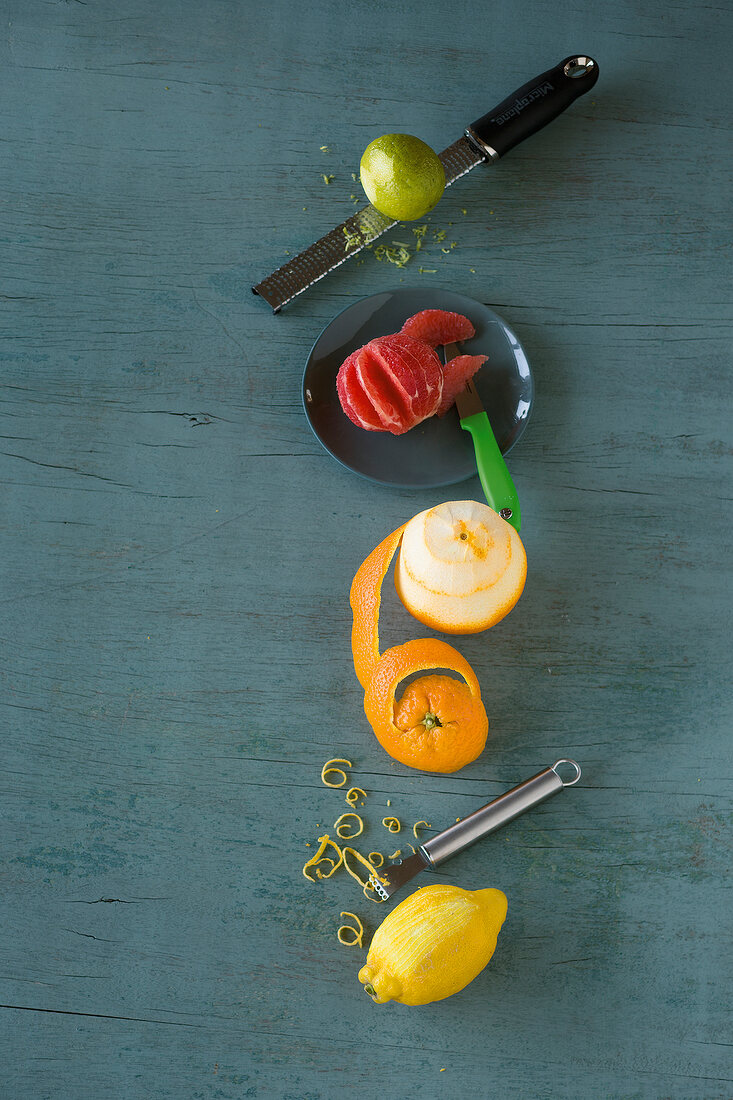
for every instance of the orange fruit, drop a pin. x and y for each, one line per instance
(461, 567)
(440, 723)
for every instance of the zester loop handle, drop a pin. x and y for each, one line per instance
(499, 812)
(533, 105)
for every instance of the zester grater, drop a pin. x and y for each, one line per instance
(518, 116)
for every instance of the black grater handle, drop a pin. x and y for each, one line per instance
(533, 105)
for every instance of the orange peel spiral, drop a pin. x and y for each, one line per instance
(440, 723)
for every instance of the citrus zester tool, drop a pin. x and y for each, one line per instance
(387, 880)
(517, 117)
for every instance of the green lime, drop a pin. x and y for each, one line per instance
(402, 176)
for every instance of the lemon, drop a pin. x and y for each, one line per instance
(433, 944)
(402, 176)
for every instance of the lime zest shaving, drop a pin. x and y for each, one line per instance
(414, 828)
(419, 231)
(373, 856)
(341, 823)
(337, 771)
(353, 240)
(358, 932)
(395, 253)
(427, 270)
(352, 796)
(391, 823)
(325, 149)
(324, 842)
(326, 179)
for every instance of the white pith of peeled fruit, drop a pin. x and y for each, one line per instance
(461, 567)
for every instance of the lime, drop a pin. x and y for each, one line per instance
(402, 176)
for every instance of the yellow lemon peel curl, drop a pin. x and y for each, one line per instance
(327, 767)
(341, 823)
(358, 932)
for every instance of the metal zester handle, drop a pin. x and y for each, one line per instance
(497, 813)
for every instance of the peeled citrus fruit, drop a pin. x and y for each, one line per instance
(391, 384)
(402, 176)
(433, 944)
(461, 567)
(439, 326)
(456, 373)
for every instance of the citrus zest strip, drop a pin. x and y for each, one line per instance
(341, 823)
(326, 859)
(358, 932)
(337, 771)
(391, 823)
(318, 857)
(372, 857)
(352, 796)
(366, 600)
(414, 828)
(362, 860)
(395, 854)
(366, 888)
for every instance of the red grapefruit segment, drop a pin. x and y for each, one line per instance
(354, 401)
(384, 389)
(426, 367)
(458, 372)
(438, 326)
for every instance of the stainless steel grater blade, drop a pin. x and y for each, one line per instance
(523, 113)
(351, 236)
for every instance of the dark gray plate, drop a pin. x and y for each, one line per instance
(438, 451)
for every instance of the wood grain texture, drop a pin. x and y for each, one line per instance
(177, 551)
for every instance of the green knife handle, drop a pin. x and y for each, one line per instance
(495, 478)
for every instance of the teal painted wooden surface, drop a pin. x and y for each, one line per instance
(177, 552)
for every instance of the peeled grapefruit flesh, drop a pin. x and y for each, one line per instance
(438, 326)
(391, 384)
(354, 401)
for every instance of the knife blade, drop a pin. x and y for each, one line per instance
(387, 880)
(523, 113)
(496, 481)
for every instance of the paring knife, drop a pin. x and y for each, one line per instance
(387, 880)
(518, 116)
(494, 476)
